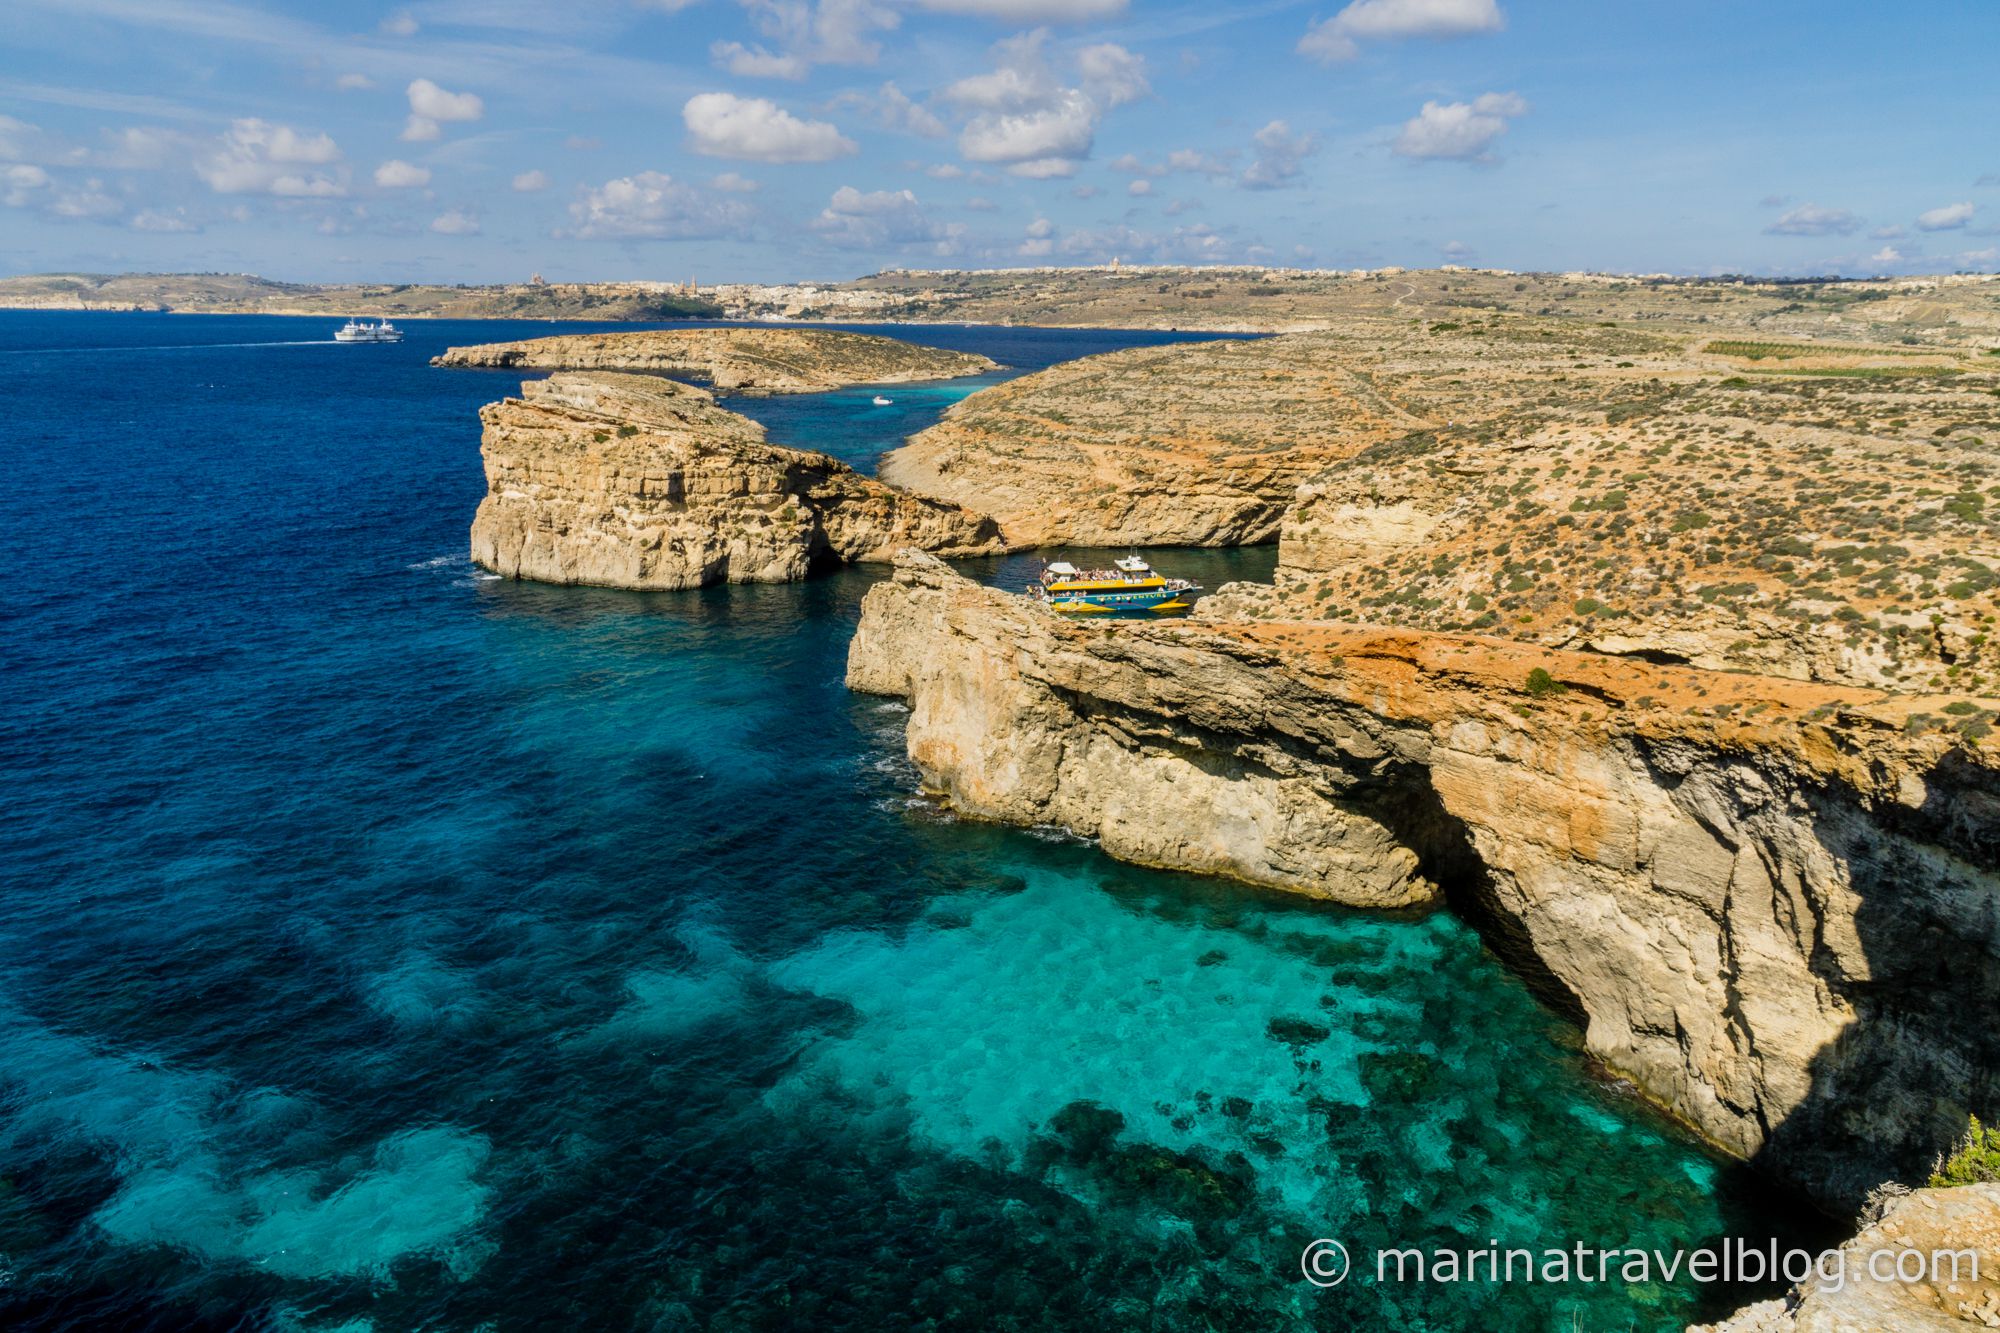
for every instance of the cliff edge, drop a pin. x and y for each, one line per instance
(733, 360)
(1775, 905)
(635, 481)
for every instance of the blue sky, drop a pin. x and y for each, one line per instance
(744, 140)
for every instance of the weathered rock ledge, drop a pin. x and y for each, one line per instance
(1961, 1225)
(635, 481)
(734, 360)
(1769, 905)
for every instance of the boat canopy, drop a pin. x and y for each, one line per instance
(1132, 564)
(1062, 569)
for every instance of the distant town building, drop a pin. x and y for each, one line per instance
(537, 280)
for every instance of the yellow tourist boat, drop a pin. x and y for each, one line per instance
(1130, 587)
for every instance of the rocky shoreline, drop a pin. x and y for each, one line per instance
(1773, 909)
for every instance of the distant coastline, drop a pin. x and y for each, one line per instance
(1188, 299)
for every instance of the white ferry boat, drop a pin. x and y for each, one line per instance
(385, 332)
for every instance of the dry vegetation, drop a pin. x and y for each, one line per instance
(1817, 507)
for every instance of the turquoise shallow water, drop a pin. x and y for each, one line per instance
(390, 947)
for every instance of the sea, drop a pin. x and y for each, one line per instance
(388, 946)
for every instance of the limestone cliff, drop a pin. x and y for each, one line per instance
(1151, 446)
(734, 360)
(1963, 1222)
(1774, 905)
(634, 481)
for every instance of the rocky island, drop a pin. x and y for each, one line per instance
(637, 481)
(733, 360)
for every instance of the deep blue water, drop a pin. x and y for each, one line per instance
(384, 946)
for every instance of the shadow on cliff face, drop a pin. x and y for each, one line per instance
(1410, 808)
(1922, 1051)
(1899, 922)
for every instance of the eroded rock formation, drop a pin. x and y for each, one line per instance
(1770, 903)
(1957, 1290)
(1169, 446)
(733, 360)
(635, 481)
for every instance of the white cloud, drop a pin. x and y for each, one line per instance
(945, 171)
(1196, 244)
(156, 220)
(427, 99)
(1949, 218)
(979, 203)
(1131, 164)
(256, 157)
(1139, 187)
(1111, 74)
(396, 174)
(1459, 131)
(654, 206)
(1338, 38)
(1887, 255)
(1029, 11)
(1031, 122)
(530, 181)
(893, 108)
(1888, 233)
(455, 223)
(431, 106)
(1812, 220)
(804, 33)
(1199, 163)
(400, 24)
(733, 183)
(1279, 153)
(754, 62)
(22, 142)
(1040, 238)
(885, 219)
(88, 203)
(20, 183)
(1064, 130)
(353, 83)
(757, 130)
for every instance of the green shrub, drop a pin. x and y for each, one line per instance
(1541, 685)
(1974, 1160)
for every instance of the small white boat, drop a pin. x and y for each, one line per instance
(880, 401)
(353, 332)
